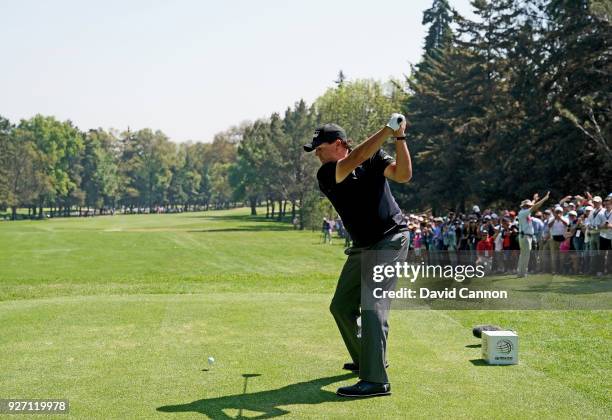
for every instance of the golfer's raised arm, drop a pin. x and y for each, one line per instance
(401, 169)
(366, 149)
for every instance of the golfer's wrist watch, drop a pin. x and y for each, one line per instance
(398, 138)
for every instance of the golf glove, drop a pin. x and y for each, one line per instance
(395, 121)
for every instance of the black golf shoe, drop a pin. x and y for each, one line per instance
(365, 389)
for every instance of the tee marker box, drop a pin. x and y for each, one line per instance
(500, 347)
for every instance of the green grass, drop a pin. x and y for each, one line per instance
(119, 314)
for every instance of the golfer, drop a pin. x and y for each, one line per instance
(355, 181)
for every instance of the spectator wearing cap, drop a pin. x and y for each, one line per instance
(411, 229)
(507, 244)
(498, 245)
(476, 211)
(488, 225)
(514, 246)
(594, 222)
(472, 236)
(564, 250)
(449, 237)
(544, 246)
(538, 229)
(437, 240)
(605, 236)
(462, 238)
(558, 226)
(595, 219)
(512, 216)
(484, 249)
(426, 241)
(536, 245)
(579, 229)
(563, 203)
(417, 243)
(572, 230)
(526, 231)
(587, 212)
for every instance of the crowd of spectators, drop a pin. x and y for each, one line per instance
(572, 236)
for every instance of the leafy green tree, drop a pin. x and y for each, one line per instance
(257, 172)
(218, 159)
(439, 34)
(185, 180)
(360, 107)
(488, 128)
(100, 180)
(301, 167)
(279, 164)
(221, 191)
(199, 165)
(576, 80)
(244, 174)
(6, 129)
(469, 111)
(22, 167)
(60, 145)
(147, 159)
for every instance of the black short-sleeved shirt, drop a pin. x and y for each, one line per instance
(363, 199)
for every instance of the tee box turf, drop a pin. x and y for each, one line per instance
(500, 347)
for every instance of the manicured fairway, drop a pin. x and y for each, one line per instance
(119, 315)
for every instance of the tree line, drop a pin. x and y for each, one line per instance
(48, 163)
(514, 101)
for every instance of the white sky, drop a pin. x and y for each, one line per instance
(194, 68)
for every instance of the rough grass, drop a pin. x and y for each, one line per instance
(119, 315)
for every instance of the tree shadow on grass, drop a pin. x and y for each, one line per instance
(259, 223)
(265, 402)
(228, 217)
(247, 228)
(243, 217)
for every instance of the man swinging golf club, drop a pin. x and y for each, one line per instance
(355, 181)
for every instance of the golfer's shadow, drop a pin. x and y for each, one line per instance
(265, 402)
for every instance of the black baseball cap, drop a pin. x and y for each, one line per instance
(327, 133)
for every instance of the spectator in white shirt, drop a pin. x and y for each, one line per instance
(587, 213)
(544, 239)
(605, 228)
(595, 220)
(605, 238)
(558, 226)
